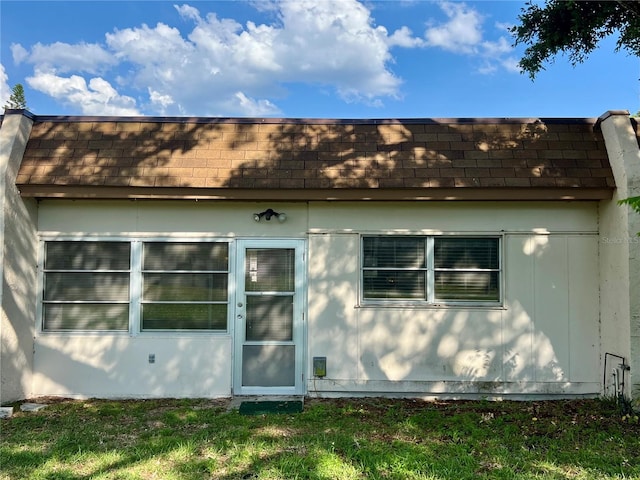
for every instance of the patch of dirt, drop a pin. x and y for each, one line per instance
(51, 400)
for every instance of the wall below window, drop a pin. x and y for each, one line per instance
(113, 366)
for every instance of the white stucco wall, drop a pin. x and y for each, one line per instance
(17, 263)
(117, 366)
(543, 341)
(620, 251)
(186, 364)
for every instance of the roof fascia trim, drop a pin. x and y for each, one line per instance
(230, 194)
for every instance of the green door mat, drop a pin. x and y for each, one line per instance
(264, 407)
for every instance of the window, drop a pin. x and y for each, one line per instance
(134, 285)
(184, 286)
(432, 269)
(466, 269)
(86, 286)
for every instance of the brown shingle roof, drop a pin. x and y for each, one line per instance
(307, 159)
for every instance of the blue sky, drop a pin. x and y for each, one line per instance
(299, 59)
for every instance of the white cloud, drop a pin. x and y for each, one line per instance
(163, 101)
(5, 90)
(403, 37)
(461, 33)
(333, 43)
(222, 67)
(511, 64)
(64, 57)
(251, 107)
(162, 45)
(188, 12)
(96, 98)
(19, 53)
(492, 49)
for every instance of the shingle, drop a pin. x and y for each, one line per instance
(324, 154)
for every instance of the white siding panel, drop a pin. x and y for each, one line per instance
(333, 280)
(94, 217)
(519, 308)
(204, 218)
(551, 323)
(454, 216)
(583, 308)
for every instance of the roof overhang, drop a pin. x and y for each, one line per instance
(354, 194)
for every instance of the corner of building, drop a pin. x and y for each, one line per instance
(18, 260)
(619, 256)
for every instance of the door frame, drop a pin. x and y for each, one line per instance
(299, 318)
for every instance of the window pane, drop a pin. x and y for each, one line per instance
(269, 318)
(466, 253)
(86, 316)
(394, 252)
(90, 286)
(87, 256)
(187, 287)
(184, 316)
(269, 270)
(394, 284)
(268, 365)
(186, 256)
(481, 286)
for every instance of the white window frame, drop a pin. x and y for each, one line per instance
(140, 282)
(41, 288)
(135, 285)
(430, 270)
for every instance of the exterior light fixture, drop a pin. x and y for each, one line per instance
(268, 214)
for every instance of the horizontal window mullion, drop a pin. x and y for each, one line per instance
(221, 272)
(275, 294)
(50, 270)
(390, 269)
(107, 302)
(169, 302)
(467, 269)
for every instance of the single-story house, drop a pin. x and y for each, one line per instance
(211, 257)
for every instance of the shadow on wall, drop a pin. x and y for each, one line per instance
(458, 346)
(534, 339)
(18, 299)
(110, 366)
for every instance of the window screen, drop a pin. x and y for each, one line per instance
(86, 286)
(466, 269)
(431, 269)
(185, 286)
(394, 268)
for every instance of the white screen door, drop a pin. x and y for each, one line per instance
(269, 317)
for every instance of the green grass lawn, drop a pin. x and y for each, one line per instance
(330, 439)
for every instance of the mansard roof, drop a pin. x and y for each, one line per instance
(314, 159)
